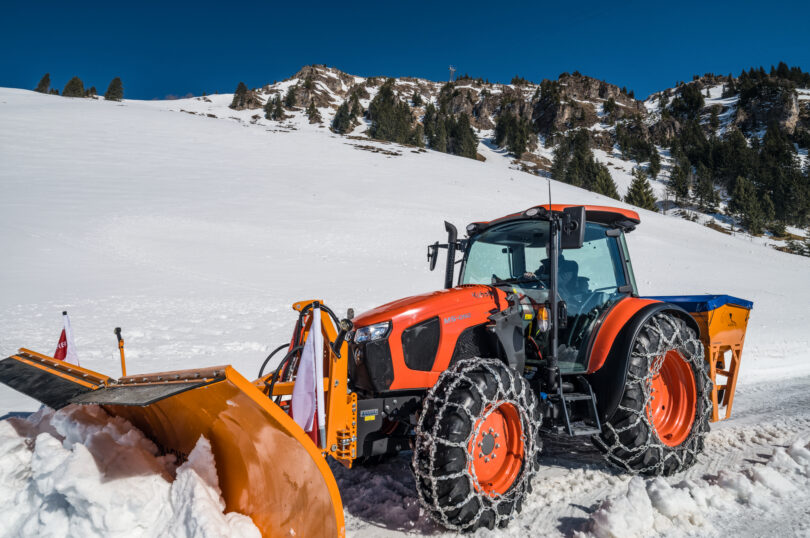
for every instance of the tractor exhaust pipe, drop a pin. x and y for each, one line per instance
(452, 237)
(552, 373)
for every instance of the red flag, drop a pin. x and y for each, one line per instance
(61, 347)
(66, 348)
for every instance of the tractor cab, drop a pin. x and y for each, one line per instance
(593, 270)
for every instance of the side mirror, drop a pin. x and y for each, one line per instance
(433, 254)
(573, 228)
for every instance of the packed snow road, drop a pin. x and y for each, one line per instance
(752, 480)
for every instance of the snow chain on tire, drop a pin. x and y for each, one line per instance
(629, 440)
(453, 412)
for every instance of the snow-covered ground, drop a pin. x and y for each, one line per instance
(80, 472)
(195, 234)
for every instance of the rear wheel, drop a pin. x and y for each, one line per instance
(663, 417)
(477, 445)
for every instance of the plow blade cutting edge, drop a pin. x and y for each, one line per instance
(268, 467)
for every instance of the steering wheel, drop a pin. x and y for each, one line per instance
(525, 277)
(528, 275)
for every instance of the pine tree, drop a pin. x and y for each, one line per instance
(714, 120)
(391, 119)
(115, 91)
(278, 110)
(655, 164)
(238, 96)
(679, 183)
(604, 184)
(342, 121)
(74, 88)
(465, 141)
(640, 193)
(574, 164)
(44, 85)
(559, 163)
(289, 98)
(416, 99)
(268, 109)
(54, 91)
(745, 205)
(357, 109)
(91, 92)
(430, 122)
(313, 114)
(419, 136)
(731, 88)
(704, 189)
(513, 133)
(440, 139)
(688, 103)
(610, 109)
(778, 229)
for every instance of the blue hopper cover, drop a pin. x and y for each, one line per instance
(702, 303)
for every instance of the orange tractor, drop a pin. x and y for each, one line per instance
(542, 333)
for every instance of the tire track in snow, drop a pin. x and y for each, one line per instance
(574, 479)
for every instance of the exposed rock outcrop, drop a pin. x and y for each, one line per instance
(776, 103)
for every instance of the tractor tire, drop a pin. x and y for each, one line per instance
(663, 417)
(477, 445)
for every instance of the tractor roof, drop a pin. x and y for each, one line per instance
(610, 216)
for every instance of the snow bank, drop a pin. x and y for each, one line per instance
(654, 506)
(80, 472)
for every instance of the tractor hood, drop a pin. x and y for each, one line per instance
(424, 334)
(459, 300)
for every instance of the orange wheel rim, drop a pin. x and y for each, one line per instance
(496, 449)
(672, 406)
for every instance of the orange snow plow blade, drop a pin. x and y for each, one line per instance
(268, 468)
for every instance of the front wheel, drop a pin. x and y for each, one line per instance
(663, 417)
(477, 445)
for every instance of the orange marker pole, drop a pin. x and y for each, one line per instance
(121, 350)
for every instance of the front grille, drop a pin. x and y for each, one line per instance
(420, 343)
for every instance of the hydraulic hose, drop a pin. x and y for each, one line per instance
(281, 365)
(294, 347)
(270, 356)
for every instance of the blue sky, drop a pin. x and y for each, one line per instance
(161, 49)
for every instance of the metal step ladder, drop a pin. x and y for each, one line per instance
(579, 428)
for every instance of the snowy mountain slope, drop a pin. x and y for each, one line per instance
(554, 108)
(195, 234)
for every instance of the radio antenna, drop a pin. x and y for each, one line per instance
(549, 193)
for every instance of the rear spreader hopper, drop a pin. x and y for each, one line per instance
(543, 332)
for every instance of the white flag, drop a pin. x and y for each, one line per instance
(303, 396)
(317, 343)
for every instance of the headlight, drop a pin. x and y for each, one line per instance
(372, 332)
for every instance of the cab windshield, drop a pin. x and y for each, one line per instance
(511, 252)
